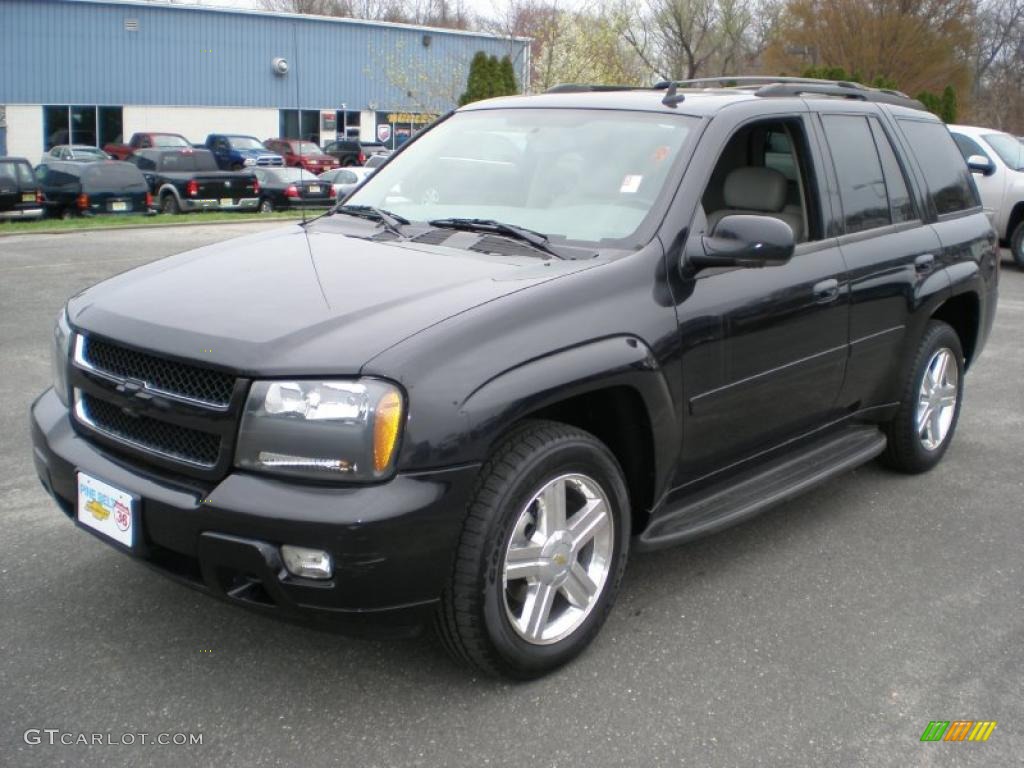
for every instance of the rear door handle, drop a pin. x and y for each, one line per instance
(826, 290)
(924, 263)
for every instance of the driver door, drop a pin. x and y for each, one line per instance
(765, 348)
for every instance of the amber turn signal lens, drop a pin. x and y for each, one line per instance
(385, 430)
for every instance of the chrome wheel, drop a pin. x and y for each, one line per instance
(937, 398)
(558, 559)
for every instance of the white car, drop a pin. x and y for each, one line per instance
(996, 160)
(345, 180)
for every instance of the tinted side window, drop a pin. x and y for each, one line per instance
(861, 183)
(949, 183)
(900, 204)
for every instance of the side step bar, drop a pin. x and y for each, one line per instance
(749, 493)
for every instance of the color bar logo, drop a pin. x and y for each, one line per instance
(958, 730)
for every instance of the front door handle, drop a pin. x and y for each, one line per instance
(924, 263)
(826, 290)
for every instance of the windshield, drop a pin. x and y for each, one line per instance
(86, 152)
(16, 171)
(1009, 149)
(245, 142)
(290, 175)
(306, 148)
(576, 174)
(169, 141)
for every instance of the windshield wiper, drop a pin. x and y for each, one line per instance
(536, 239)
(390, 221)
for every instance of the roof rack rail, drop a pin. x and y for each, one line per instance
(592, 87)
(768, 86)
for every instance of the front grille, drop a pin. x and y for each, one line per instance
(169, 440)
(269, 161)
(171, 378)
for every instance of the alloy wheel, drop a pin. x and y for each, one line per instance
(937, 399)
(558, 559)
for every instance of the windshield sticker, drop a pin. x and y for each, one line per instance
(631, 184)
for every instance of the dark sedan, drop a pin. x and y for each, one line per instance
(284, 188)
(107, 186)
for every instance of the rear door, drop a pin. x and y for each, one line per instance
(888, 249)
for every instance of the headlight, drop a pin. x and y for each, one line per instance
(345, 429)
(59, 351)
(249, 161)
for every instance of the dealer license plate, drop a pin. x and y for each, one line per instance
(106, 509)
(119, 206)
(314, 190)
(28, 197)
(226, 201)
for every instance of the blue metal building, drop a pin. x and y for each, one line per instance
(93, 71)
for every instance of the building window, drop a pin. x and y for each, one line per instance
(349, 124)
(309, 128)
(396, 128)
(70, 124)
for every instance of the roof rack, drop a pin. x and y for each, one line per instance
(768, 86)
(592, 87)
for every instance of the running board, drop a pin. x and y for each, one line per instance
(749, 493)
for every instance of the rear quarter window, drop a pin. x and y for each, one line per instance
(949, 183)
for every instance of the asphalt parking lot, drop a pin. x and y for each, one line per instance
(828, 632)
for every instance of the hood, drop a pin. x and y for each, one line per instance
(291, 303)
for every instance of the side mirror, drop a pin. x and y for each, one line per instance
(980, 164)
(744, 240)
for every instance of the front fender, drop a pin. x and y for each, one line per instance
(619, 361)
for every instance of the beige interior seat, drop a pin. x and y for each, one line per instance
(757, 191)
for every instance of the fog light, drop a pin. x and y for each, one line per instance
(308, 563)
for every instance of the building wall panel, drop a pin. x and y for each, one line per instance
(196, 123)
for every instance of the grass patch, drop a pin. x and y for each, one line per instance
(141, 220)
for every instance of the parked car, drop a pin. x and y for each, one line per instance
(470, 408)
(184, 180)
(344, 180)
(284, 188)
(353, 152)
(996, 160)
(146, 140)
(20, 196)
(73, 188)
(376, 161)
(302, 154)
(234, 153)
(77, 152)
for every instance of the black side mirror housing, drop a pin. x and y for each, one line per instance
(980, 164)
(744, 240)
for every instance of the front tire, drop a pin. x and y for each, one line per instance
(541, 554)
(1017, 245)
(922, 429)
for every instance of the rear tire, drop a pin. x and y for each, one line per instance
(541, 554)
(266, 206)
(237, 167)
(169, 204)
(923, 427)
(1017, 245)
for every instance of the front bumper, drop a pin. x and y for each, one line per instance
(392, 544)
(213, 204)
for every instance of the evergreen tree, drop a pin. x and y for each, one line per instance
(508, 77)
(477, 81)
(949, 105)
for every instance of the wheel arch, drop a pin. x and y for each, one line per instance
(962, 312)
(612, 388)
(1016, 217)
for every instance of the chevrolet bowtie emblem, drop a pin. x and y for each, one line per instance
(559, 560)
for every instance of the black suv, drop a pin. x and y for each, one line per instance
(353, 152)
(467, 393)
(20, 196)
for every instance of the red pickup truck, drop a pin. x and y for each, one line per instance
(146, 140)
(302, 154)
